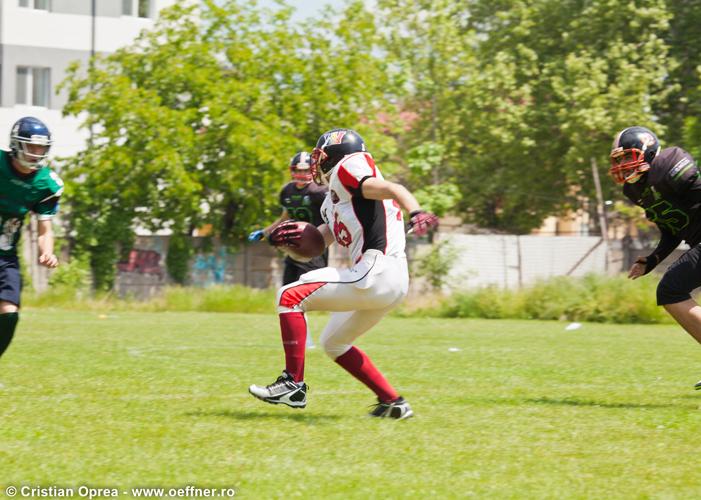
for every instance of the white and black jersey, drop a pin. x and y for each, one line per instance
(358, 223)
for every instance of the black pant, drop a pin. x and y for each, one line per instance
(683, 276)
(295, 269)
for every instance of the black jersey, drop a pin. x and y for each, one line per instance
(303, 203)
(670, 193)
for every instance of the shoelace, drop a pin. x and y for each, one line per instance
(385, 407)
(281, 380)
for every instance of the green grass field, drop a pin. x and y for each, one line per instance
(524, 409)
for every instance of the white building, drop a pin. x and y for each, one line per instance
(40, 38)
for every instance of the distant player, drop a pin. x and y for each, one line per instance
(667, 184)
(26, 184)
(361, 212)
(300, 200)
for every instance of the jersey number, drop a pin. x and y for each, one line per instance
(666, 217)
(300, 213)
(341, 232)
(9, 233)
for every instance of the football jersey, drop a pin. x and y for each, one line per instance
(670, 193)
(358, 223)
(303, 204)
(38, 192)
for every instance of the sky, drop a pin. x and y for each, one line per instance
(309, 8)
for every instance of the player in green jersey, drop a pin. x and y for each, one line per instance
(26, 184)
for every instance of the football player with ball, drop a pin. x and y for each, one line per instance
(362, 212)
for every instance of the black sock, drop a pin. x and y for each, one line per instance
(8, 323)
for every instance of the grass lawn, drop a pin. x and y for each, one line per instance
(505, 409)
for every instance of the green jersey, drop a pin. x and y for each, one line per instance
(38, 192)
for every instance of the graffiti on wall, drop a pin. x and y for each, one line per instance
(146, 258)
(145, 265)
(211, 268)
(142, 262)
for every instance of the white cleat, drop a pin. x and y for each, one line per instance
(398, 409)
(283, 391)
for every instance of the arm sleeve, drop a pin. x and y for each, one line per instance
(47, 207)
(665, 246)
(281, 199)
(684, 178)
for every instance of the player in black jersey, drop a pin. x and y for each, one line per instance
(667, 184)
(300, 200)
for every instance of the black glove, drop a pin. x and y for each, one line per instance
(421, 222)
(650, 262)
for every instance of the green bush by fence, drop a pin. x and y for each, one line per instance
(591, 298)
(213, 299)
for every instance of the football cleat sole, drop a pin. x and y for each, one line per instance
(293, 404)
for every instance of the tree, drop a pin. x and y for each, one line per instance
(683, 101)
(194, 123)
(431, 54)
(528, 92)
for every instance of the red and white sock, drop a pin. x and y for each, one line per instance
(357, 363)
(293, 328)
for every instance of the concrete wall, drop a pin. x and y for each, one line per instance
(507, 261)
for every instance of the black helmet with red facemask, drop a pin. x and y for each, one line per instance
(331, 147)
(300, 168)
(632, 153)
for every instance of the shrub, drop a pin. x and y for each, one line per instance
(591, 298)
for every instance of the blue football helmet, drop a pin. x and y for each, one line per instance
(30, 141)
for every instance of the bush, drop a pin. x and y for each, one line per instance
(591, 298)
(235, 298)
(68, 283)
(435, 266)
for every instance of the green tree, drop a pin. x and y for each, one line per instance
(523, 94)
(194, 123)
(684, 99)
(431, 54)
(578, 72)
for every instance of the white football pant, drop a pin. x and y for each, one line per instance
(358, 297)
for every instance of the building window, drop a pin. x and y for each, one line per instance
(33, 86)
(35, 4)
(141, 8)
(127, 7)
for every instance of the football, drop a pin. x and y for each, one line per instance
(310, 243)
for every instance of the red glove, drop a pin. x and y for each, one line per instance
(285, 234)
(422, 222)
